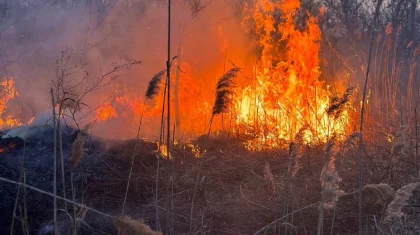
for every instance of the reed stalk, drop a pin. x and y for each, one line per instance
(360, 152)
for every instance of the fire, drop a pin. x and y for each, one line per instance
(7, 93)
(31, 120)
(284, 96)
(288, 94)
(105, 112)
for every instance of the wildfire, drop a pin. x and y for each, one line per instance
(287, 95)
(7, 93)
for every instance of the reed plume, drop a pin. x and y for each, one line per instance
(337, 103)
(129, 226)
(269, 177)
(401, 142)
(382, 193)
(296, 152)
(402, 196)
(77, 150)
(153, 88)
(224, 91)
(329, 177)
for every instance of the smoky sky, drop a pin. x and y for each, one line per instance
(34, 33)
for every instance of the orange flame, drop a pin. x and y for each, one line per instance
(7, 93)
(105, 112)
(285, 95)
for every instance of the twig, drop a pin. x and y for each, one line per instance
(132, 162)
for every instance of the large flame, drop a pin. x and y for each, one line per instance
(284, 96)
(287, 95)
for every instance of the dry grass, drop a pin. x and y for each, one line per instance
(381, 193)
(394, 210)
(129, 226)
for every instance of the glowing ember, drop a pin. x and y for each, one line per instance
(5, 149)
(31, 120)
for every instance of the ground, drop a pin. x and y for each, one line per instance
(238, 195)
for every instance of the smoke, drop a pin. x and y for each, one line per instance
(97, 34)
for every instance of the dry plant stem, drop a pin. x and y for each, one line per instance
(173, 178)
(158, 226)
(22, 172)
(168, 131)
(194, 193)
(176, 88)
(55, 164)
(300, 212)
(54, 196)
(73, 196)
(281, 218)
(20, 184)
(360, 152)
(211, 122)
(132, 161)
(417, 141)
(156, 196)
(25, 227)
(333, 219)
(322, 209)
(60, 142)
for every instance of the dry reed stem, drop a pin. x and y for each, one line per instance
(362, 113)
(55, 164)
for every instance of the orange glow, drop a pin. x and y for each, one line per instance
(11, 145)
(7, 93)
(288, 94)
(105, 112)
(31, 121)
(282, 94)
